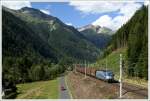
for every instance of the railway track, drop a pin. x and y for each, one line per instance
(134, 89)
(126, 87)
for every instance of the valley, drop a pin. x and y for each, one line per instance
(45, 58)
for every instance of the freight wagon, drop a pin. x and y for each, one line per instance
(105, 75)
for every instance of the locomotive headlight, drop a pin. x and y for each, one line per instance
(108, 77)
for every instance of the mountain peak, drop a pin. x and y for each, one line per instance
(35, 13)
(96, 28)
(29, 10)
(90, 26)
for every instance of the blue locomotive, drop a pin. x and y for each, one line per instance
(105, 75)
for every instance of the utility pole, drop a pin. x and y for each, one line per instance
(120, 76)
(105, 67)
(85, 68)
(75, 69)
(106, 64)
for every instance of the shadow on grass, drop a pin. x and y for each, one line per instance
(10, 96)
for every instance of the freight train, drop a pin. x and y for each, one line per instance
(105, 75)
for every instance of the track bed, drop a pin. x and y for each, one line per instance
(93, 88)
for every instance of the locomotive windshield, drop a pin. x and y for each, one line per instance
(109, 73)
(105, 72)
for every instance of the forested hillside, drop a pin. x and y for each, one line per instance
(25, 56)
(66, 40)
(134, 36)
(37, 46)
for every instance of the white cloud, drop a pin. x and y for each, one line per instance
(70, 24)
(96, 6)
(16, 4)
(124, 14)
(124, 10)
(103, 21)
(45, 11)
(146, 2)
(129, 9)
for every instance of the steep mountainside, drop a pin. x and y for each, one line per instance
(64, 40)
(19, 39)
(134, 36)
(99, 36)
(36, 46)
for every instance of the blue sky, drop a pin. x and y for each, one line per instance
(68, 14)
(109, 14)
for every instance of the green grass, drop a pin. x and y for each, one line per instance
(112, 61)
(38, 90)
(113, 64)
(134, 80)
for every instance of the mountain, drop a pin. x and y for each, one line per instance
(98, 35)
(96, 28)
(134, 37)
(37, 46)
(19, 39)
(64, 40)
(35, 13)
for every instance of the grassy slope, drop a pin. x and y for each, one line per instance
(38, 90)
(113, 64)
(112, 61)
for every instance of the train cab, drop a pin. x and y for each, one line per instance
(105, 75)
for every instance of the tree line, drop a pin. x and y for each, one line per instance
(134, 36)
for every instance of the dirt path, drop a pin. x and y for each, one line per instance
(92, 88)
